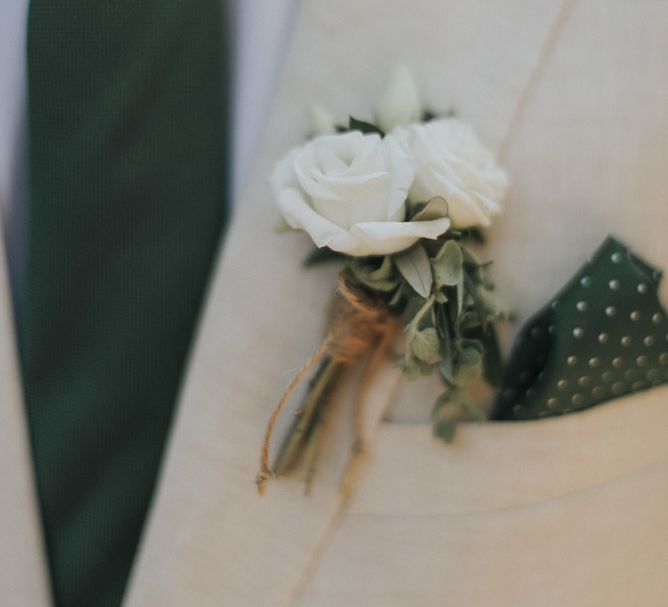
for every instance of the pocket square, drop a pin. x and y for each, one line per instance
(603, 336)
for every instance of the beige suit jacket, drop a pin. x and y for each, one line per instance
(563, 511)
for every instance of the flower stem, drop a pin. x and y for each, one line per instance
(303, 429)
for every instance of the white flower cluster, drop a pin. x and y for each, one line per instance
(350, 191)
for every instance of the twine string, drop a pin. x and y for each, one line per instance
(358, 325)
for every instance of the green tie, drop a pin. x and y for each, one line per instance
(126, 113)
(605, 335)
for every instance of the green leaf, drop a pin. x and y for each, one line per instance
(469, 365)
(376, 278)
(435, 208)
(448, 265)
(384, 271)
(473, 411)
(397, 297)
(323, 255)
(445, 429)
(409, 367)
(443, 398)
(414, 368)
(492, 303)
(425, 345)
(413, 306)
(445, 368)
(415, 268)
(470, 349)
(365, 127)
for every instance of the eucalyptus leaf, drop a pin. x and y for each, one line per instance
(468, 347)
(413, 306)
(493, 304)
(448, 265)
(415, 268)
(473, 411)
(469, 366)
(442, 324)
(410, 368)
(425, 345)
(445, 429)
(371, 276)
(425, 368)
(397, 297)
(414, 368)
(460, 295)
(440, 401)
(445, 368)
(384, 271)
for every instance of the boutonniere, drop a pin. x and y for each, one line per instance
(402, 201)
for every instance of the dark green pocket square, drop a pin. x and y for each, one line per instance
(603, 336)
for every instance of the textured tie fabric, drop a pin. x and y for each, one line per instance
(126, 109)
(603, 336)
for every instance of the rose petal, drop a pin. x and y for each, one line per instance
(299, 214)
(451, 162)
(383, 238)
(403, 172)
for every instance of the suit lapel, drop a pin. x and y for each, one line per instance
(23, 576)
(211, 539)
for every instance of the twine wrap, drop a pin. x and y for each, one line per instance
(358, 325)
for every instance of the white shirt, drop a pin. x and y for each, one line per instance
(261, 29)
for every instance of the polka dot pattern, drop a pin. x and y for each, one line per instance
(605, 335)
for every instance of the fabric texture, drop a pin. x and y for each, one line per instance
(568, 510)
(127, 153)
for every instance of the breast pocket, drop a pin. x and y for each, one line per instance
(568, 510)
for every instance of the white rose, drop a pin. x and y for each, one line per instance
(399, 100)
(348, 192)
(450, 161)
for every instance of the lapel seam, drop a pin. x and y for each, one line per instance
(554, 36)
